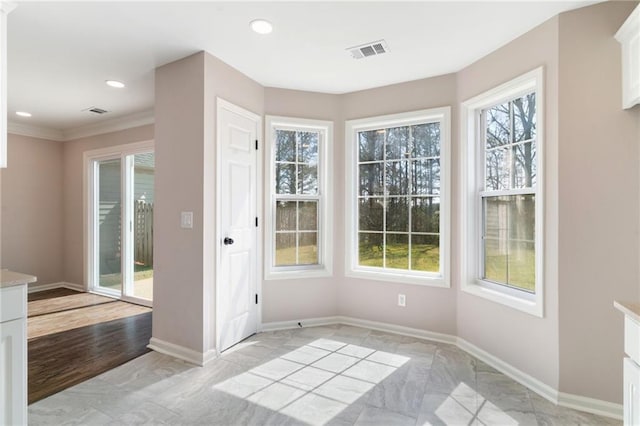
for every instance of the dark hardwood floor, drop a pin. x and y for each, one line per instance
(75, 336)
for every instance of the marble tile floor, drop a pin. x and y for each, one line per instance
(334, 375)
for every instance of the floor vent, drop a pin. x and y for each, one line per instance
(369, 49)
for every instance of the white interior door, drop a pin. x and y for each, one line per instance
(237, 295)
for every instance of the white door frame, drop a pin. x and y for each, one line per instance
(89, 226)
(220, 105)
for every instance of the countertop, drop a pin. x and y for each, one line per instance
(9, 278)
(631, 309)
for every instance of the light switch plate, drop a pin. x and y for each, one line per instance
(186, 220)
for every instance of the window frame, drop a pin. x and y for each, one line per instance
(472, 175)
(324, 268)
(352, 127)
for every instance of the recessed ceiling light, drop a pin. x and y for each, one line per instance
(23, 114)
(261, 26)
(115, 83)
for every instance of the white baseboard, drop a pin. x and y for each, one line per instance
(591, 405)
(180, 352)
(398, 329)
(42, 287)
(576, 402)
(309, 322)
(509, 370)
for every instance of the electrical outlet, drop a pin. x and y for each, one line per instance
(402, 300)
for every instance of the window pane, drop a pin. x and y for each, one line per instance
(395, 184)
(397, 251)
(308, 248)
(425, 214)
(308, 215)
(522, 217)
(371, 145)
(497, 169)
(285, 145)
(370, 214)
(308, 144)
(496, 211)
(524, 117)
(398, 214)
(370, 249)
(426, 140)
(509, 231)
(397, 143)
(495, 260)
(525, 165)
(371, 179)
(109, 217)
(286, 249)
(522, 265)
(307, 179)
(425, 253)
(397, 177)
(286, 216)
(425, 177)
(498, 125)
(285, 179)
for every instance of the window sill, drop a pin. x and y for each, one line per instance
(387, 276)
(532, 306)
(294, 274)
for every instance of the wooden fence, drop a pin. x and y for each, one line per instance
(143, 231)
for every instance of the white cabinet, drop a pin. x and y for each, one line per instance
(13, 356)
(631, 393)
(13, 347)
(629, 37)
(631, 364)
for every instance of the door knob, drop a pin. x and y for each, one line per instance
(228, 241)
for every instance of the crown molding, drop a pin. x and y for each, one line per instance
(112, 125)
(35, 131)
(7, 6)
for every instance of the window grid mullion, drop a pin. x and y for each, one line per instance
(512, 179)
(409, 191)
(385, 203)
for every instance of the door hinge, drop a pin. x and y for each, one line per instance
(256, 222)
(256, 144)
(256, 298)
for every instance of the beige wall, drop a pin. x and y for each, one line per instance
(72, 167)
(598, 201)
(32, 220)
(179, 135)
(524, 341)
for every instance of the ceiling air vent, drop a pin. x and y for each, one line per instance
(96, 110)
(369, 49)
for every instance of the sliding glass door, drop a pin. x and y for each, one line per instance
(120, 216)
(108, 219)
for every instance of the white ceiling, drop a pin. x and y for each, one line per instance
(60, 53)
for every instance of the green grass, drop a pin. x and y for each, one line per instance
(520, 269)
(308, 255)
(424, 257)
